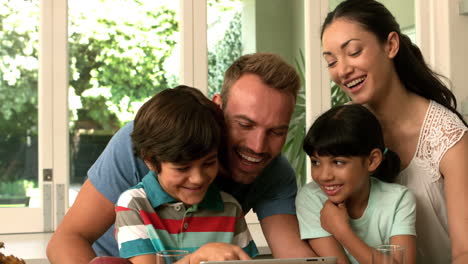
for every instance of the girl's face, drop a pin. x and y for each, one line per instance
(344, 178)
(188, 182)
(357, 61)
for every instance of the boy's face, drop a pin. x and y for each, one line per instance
(189, 182)
(342, 178)
(257, 118)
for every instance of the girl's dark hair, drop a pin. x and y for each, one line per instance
(179, 125)
(409, 62)
(351, 130)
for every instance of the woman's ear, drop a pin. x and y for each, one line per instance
(393, 44)
(375, 158)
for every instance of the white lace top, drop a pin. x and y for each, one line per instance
(440, 131)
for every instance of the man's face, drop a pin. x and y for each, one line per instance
(257, 118)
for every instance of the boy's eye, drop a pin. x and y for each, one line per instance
(183, 169)
(210, 163)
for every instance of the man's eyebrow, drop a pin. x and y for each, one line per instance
(251, 121)
(342, 46)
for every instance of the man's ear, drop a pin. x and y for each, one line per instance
(375, 158)
(218, 100)
(392, 45)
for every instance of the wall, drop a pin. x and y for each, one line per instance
(275, 26)
(458, 36)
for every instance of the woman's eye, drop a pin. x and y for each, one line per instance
(355, 53)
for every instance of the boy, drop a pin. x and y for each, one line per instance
(179, 134)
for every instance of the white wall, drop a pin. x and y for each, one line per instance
(458, 36)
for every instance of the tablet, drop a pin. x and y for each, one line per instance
(321, 260)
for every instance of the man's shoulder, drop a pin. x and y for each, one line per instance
(279, 166)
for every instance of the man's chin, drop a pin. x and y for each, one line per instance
(243, 177)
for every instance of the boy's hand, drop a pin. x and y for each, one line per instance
(218, 252)
(334, 218)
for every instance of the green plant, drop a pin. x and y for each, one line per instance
(16, 188)
(292, 148)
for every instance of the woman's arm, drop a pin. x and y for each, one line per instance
(409, 243)
(454, 168)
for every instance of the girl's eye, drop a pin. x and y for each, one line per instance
(340, 162)
(331, 64)
(315, 163)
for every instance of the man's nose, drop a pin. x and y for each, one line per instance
(256, 141)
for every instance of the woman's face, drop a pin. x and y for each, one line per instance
(357, 61)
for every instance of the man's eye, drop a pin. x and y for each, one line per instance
(279, 132)
(331, 64)
(245, 125)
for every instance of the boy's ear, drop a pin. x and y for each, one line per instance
(150, 165)
(375, 158)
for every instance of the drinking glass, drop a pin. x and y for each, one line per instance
(170, 256)
(388, 254)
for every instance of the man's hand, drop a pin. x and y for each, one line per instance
(218, 252)
(334, 218)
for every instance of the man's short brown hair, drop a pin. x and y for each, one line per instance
(178, 125)
(271, 68)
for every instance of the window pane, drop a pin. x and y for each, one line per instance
(19, 40)
(237, 27)
(122, 52)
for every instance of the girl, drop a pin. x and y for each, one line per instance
(378, 66)
(344, 212)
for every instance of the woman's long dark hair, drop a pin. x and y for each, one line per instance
(351, 130)
(410, 66)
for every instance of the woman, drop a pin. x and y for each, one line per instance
(378, 66)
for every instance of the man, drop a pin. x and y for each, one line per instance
(257, 98)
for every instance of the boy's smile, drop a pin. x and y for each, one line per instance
(189, 182)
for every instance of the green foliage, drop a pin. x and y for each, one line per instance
(225, 52)
(338, 96)
(114, 62)
(292, 148)
(15, 188)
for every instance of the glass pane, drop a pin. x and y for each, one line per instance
(19, 40)
(237, 27)
(119, 58)
(403, 10)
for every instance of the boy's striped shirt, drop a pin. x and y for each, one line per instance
(149, 220)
